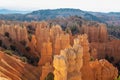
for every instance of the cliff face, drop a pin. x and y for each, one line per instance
(13, 68)
(96, 33)
(109, 50)
(15, 32)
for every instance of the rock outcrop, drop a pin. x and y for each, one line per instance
(103, 70)
(96, 33)
(68, 64)
(46, 69)
(83, 41)
(46, 53)
(109, 50)
(74, 64)
(15, 32)
(12, 68)
(62, 41)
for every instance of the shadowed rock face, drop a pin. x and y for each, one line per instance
(95, 33)
(15, 32)
(108, 49)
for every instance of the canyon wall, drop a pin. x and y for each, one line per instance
(96, 33)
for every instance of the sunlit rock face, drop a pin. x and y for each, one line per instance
(68, 64)
(59, 39)
(3, 78)
(46, 69)
(74, 64)
(103, 70)
(62, 41)
(42, 36)
(46, 51)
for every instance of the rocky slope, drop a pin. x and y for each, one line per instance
(45, 49)
(12, 68)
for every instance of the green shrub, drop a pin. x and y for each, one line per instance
(7, 34)
(24, 59)
(27, 48)
(1, 42)
(23, 42)
(9, 52)
(91, 58)
(118, 78)
(13, 47)
(30, 37)
(50, 76)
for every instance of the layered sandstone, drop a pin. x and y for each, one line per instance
(14, 69)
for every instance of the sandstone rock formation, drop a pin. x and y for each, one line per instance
(109, 49)
(14, 69)
(50, 42)
(46, 69)
(59, 39)
(46, 53)
(93, 53)
(96, 33)
(62, 41)
(74, 64)
(15, 32)
(60, 72)
(43, 34)
(83, 41)
(42, 41)
(33, 48)
(64, 63)
(103, 70)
